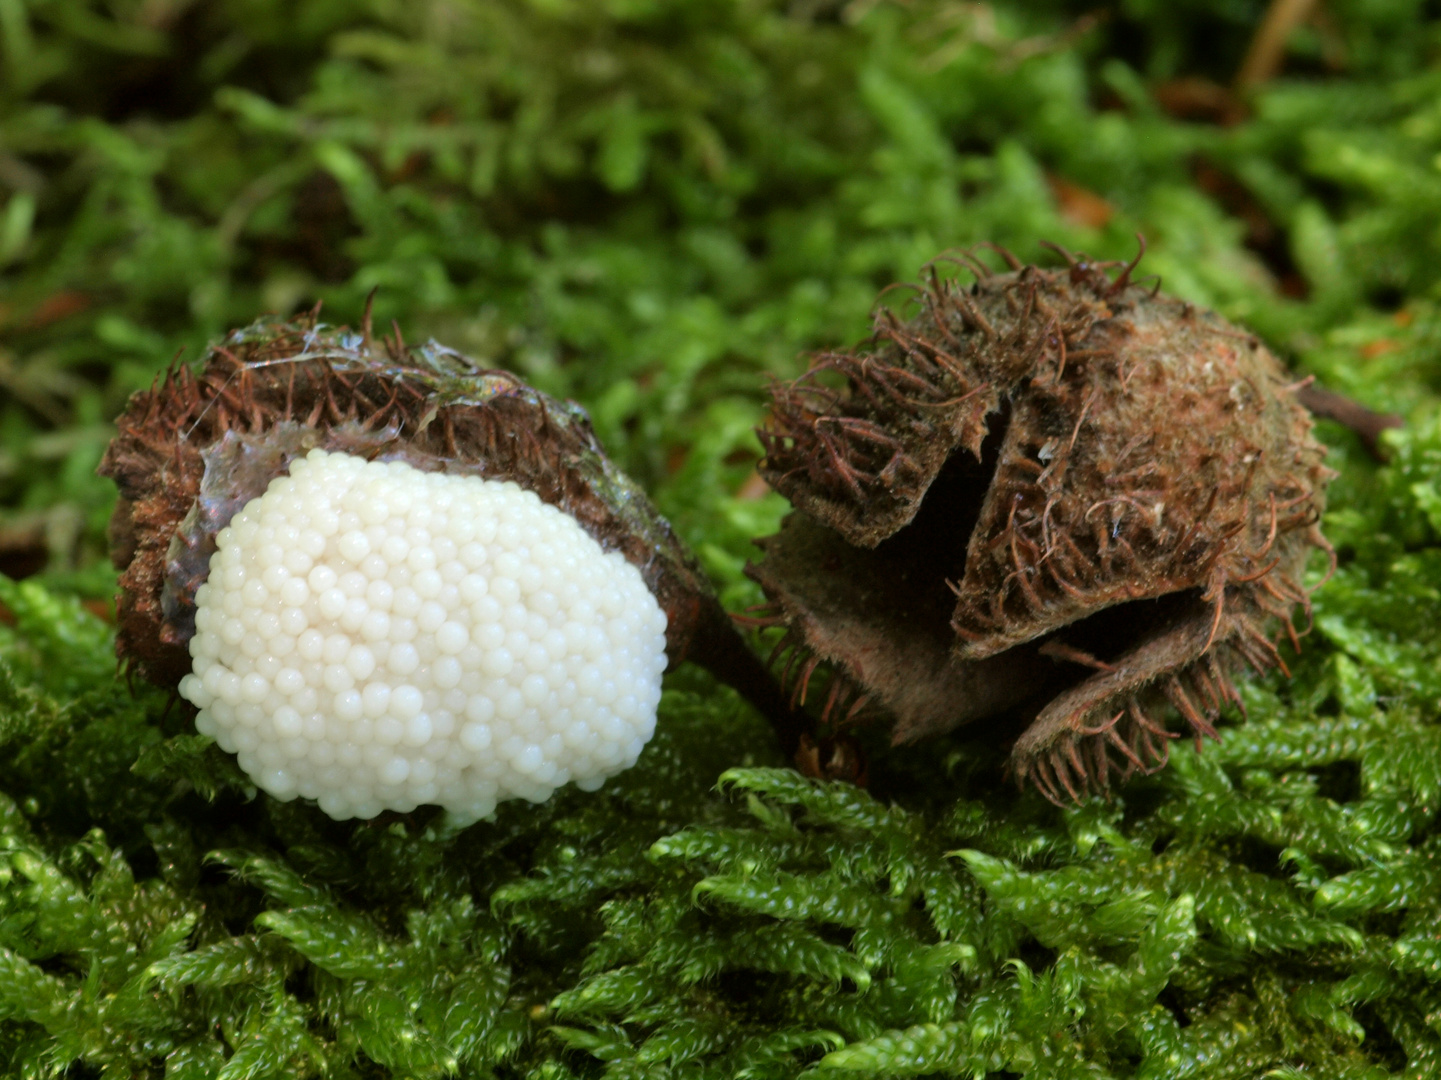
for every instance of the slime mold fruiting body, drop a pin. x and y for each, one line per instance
(375, 637)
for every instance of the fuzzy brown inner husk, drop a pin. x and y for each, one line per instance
(1052, 485)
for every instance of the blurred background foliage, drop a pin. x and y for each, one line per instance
(651, 206)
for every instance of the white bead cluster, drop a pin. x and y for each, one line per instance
(375, 637)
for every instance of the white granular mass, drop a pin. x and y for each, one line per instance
(375, 637)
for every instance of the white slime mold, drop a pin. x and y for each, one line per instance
(375, 637)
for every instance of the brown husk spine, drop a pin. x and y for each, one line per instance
(985, 481)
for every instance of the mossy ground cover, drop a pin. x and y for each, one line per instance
(650, 206)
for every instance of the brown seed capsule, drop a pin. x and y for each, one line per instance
(1052, 491)
(203, 442)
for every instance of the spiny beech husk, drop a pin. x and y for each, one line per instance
(203, 441)
(1052, 492)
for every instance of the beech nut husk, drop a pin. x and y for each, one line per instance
(205, 440)
(1052, 492)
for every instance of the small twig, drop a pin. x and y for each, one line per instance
(1268, 47)
(720, 649)
(1367, 424)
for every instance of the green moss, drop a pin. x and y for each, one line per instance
(648, 207)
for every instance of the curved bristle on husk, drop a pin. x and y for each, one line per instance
(1053, 492)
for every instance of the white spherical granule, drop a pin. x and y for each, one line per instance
(375, 637)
